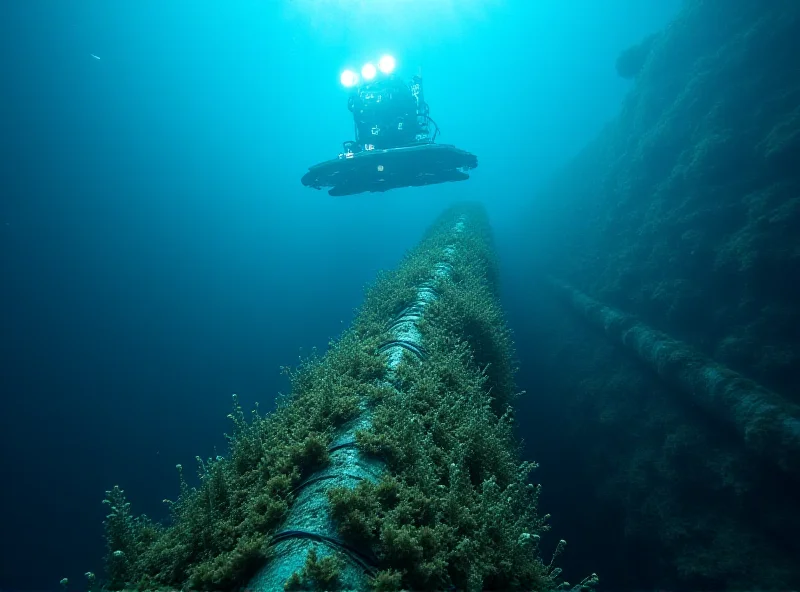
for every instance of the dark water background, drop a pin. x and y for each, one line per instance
(158, 253)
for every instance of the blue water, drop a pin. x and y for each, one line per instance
(158, 252)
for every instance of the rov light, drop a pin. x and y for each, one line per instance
(368, 71)
(349, 78)
(386, 64)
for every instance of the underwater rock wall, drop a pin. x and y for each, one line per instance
(685, 212)
(694, 188)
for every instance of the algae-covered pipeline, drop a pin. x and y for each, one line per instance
(391, 465)
(309, 525)
(768, 424)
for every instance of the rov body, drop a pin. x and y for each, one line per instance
(395, 139)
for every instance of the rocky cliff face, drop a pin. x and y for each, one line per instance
(685, 211)
(695, 188)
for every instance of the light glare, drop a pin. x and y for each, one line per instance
(386, 64)
(349, 78)
(368, 71)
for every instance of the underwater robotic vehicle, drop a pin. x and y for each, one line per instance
(395, 143)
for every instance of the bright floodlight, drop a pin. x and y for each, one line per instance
(349, 78)
(386, 64)
(368, 71)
